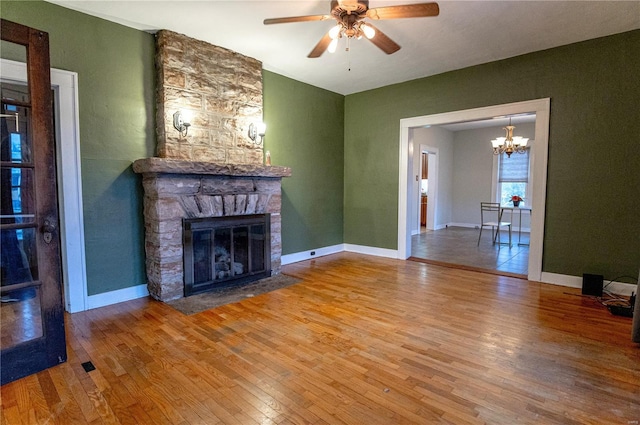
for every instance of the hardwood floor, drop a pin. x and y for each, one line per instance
(361, 340)
(459, 246)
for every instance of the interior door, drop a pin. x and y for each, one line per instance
(32, 315)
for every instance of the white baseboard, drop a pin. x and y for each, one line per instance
(319, 252)
(618, 288)
(368, 250)
(118, 296)
(469, 225)
(312, 253)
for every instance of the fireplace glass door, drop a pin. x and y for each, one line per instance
(223, 251)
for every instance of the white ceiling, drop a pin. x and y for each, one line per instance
(465, 33)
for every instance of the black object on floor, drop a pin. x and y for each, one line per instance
(592, 284)
(88, 367)
(621, 310)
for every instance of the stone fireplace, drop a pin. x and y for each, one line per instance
(213, 171)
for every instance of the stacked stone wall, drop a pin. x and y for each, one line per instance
(221, 89)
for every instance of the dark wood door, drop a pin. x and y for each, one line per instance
(32, 314)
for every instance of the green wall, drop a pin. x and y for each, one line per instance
(592, 221)
(344, 150)
(116, 109)
(305, 131)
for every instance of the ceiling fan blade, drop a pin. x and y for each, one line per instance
(296, 19)
(404, 11)
(383, 42)
(320, 48)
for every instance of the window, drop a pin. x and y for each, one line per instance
(513, 177)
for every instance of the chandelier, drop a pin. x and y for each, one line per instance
(509, 144)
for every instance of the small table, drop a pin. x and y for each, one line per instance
(520, 209)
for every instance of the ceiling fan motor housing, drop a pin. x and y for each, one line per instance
(349, 14)
(346, 7)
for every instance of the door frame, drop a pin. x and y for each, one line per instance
(541, 107)
(432, 191)
(433, 186)
(65, 86)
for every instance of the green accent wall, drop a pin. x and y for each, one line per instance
(305, 131)
(116, 84)
(343, 151)
(592, 221)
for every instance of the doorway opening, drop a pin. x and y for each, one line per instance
(409, 166)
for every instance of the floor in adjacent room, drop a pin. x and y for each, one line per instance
(360, 340)
(459, 246)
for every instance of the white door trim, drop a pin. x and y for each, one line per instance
(539, 151)
(432, 191)
(65, 85)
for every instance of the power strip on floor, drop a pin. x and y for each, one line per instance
(621, 310)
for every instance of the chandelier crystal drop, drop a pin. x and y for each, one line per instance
(510, 143)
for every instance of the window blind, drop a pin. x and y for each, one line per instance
(514, 169)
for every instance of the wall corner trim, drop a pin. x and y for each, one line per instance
(113, 297)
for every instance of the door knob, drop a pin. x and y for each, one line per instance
(47, 230)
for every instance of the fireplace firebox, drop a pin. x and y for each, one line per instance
(225, 251)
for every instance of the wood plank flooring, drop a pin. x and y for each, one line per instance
(459, 246)
(361, 340)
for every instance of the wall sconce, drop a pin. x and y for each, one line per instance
(257, 130)
(182, 122)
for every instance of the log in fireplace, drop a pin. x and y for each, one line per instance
(224, 251)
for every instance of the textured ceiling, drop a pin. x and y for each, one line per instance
(465, 33)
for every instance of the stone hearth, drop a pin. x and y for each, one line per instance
(179, 189)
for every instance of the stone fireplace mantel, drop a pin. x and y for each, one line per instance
(158, 165)
(176, 189)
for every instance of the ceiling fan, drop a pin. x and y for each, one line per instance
(350, 15)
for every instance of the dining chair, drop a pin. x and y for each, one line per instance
(491, 216)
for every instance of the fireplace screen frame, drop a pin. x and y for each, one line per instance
(228, 230)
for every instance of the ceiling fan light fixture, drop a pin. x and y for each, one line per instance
(368, 31)
(334, 32)
(333, 45)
